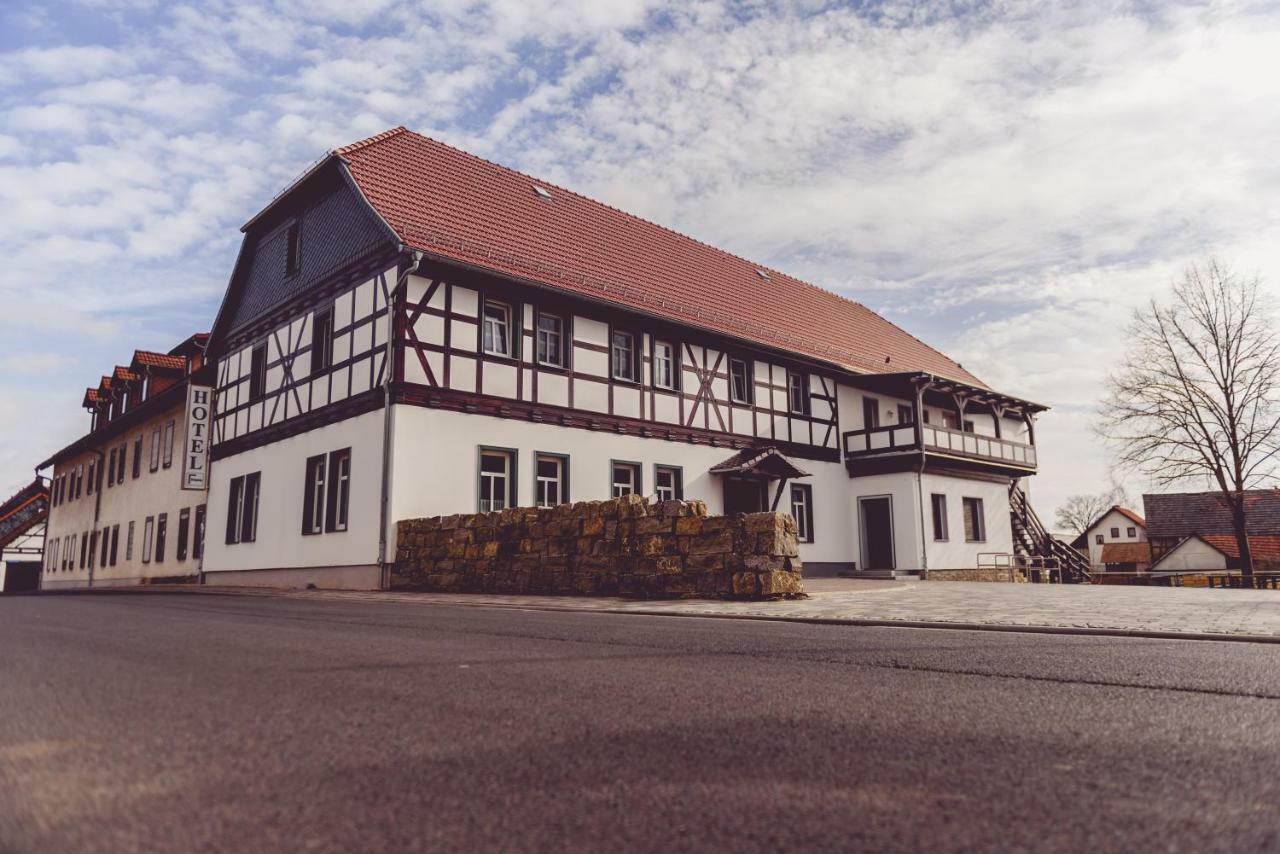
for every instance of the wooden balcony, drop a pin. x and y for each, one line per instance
(939, 443)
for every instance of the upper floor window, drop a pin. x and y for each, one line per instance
(665, 369)
(906, 414)
(137, 457)
(242, 508)
(550, 344)
(551, 487)
(111, 469)
(975, 525)
(1115, 533)
(93, 470)
(155, 448)
(1133, 532)
(968, 426)
(871, 414)
(258, 372)
(623, 356)
(497, 479)
(293, 249)
(668, 482)
(802, 511)
(626, 479)
(950, 420)
(739, 381)
(497, 328)
(322, 341)
(168, 444)
(798, 392)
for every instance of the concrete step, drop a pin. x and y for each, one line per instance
(884, 574)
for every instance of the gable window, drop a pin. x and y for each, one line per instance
(137, 457)
(339, 497)
(626, 479)
(940, 530)
(623, 356)
(314, 495)
(668, 482)
(550, 340)
(497, 328)
(184, 523)
(155, 449)
(798, 392)
(168, 444)
(551, 480)
(148, 530)
(975, 525)
(802, 511)
(162, 525)
(322, 341)
(497, 479)
(197, 535)
(1098, 539)
(665, 370)
(1133, 532)
(1115, 533)
(740, 381)
(293, 249)
(258, 372)
(871, 413)
(242, 508)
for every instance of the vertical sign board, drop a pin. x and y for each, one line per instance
(195, 462)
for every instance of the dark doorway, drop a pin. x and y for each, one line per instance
(21, 577)
(745, 495)
(877, 532)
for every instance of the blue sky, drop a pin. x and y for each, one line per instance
(1005, 180)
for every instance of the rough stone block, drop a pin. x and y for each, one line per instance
(654, 525)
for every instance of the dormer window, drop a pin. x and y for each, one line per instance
(293, 249)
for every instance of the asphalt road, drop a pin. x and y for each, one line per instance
(196, 722)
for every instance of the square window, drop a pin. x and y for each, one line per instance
(497, 328)
(740, 381)
(1115, 533)
(1098, 539)
(1133, 532)
(626, 479)
(668, 482)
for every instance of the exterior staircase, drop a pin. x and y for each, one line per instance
(1032, 540)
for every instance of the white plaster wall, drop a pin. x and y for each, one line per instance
(435, 459)
(280, 543)
(1113, 519)
(955, 552)
(1194, 554)
(901, 486)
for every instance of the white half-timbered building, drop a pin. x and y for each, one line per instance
(542, 347)
(127, 499)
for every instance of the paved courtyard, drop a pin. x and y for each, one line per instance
(1086, 608)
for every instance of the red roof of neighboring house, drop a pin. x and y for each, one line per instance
(124, 374)
(459, 207)
(1126, 553)
(159, 360)
(1130, 515)
(1263, 546)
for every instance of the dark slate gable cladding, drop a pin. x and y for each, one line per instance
(1178, 515)
(337, 230)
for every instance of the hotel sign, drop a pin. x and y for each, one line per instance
(195, 462)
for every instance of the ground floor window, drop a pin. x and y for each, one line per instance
(551, 475)
(128, 544)
(802, 511)
(115, 543)
(184, 522)
(197, 545)
(242, 508)
(975, 526)
(162, 526)
(939, 502)
(625, 479)
(148, 530)
(497, 479)
(668, 482)
(313, 495)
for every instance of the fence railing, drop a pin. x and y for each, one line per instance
(945, 440)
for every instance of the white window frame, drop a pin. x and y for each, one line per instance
(155, 448)
(798, 382)
(549, 349)
(631, 486)
(317, 484)
(342, 483)
(496, 479)
(543, 483)
(148, 531)
(803, 504)
(747, 380)
(633, 374)
(168, 444)
(675, 489)
(664, 365)
(492, 326)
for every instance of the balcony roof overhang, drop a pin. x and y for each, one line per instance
(904, 385)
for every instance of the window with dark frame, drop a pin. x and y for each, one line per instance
(497, 329)
(339, 498)
(975, 525)
(314, 495)
(111, 469)
(184, 524)
(1115, 533)
(322, 341)
(497, 479)
(941, 532)
(1098, 539)
(168, 444)
(668, 482)
(969, 426)
(155, 448)
(92, 537)
(293, 249)
(128, 544)
(148, 531)
(258, 372)
(870, 413)
(242, 508)
(197, 535)
(115, 543)
(551, 480)
(93, 471)
(740, 381)
(137, 458)
(802, 511)
(550, 344)
(162, 526)
(625, 479)
(622, 356)
(666, 370)
(798, 392)
(1133, 532)
(906, 413)
(120, 461)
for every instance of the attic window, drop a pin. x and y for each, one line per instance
(762, 274)
(291, 250)
(541, 193)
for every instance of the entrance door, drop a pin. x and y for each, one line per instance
(876, 523)
(744, 495)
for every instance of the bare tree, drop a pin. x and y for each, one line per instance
(1078, 512)
(1195, 398)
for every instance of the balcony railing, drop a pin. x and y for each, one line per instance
(897, 438)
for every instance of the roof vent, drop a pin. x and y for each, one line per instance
(541, 193)
(762, 274)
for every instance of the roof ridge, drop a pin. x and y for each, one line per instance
(423, 138)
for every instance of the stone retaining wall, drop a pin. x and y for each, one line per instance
(626, 546)
(983, 574)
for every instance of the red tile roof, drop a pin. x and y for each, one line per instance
(1126, 553)
(462, 208)
(159, 360)
(124, 374)
(1262, 546)
(1130, 515)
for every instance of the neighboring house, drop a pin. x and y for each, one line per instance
(1218, 552)
(543, 347)
(22, 527)
(1173, 517)
(128, 498)
(1116, 525)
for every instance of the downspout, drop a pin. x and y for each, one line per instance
(388, 360)
(919, 429)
